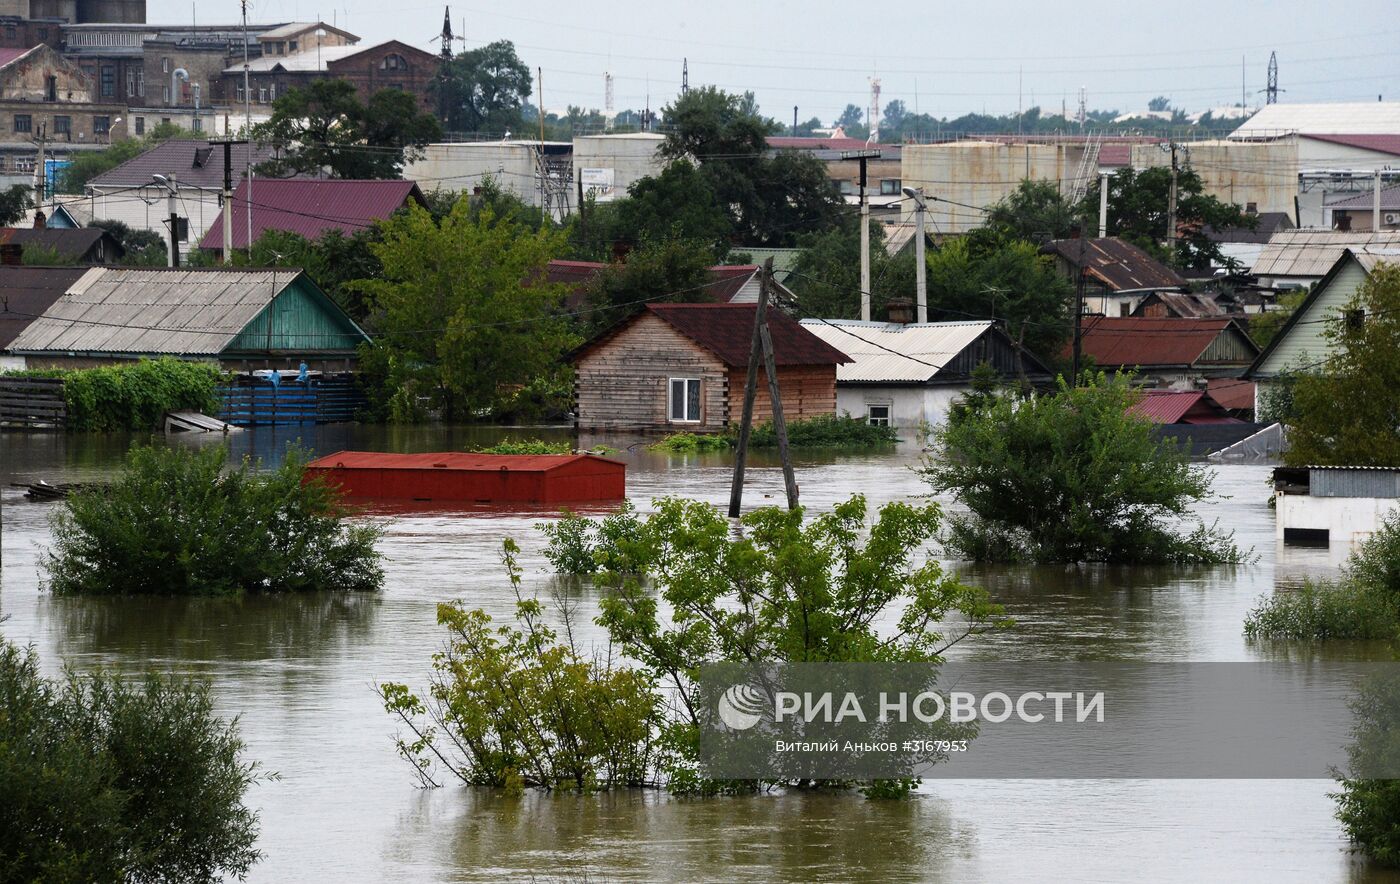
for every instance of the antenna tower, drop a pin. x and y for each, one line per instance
(874, 119)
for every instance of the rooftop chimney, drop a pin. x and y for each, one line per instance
(900, 310)
(11, 254)
(40, 220)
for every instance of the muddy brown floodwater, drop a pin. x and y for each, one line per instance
(298, 671)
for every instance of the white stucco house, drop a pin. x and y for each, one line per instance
(905, 374)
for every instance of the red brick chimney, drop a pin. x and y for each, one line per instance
(40, 220)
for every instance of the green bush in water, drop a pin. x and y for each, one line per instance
(689, 443)
(103, 779)
(1363, 604)
(176, 523)
(826, 431)
(137, 395)
(526, 446)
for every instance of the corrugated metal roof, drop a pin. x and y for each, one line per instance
(894, 353)
(1117, 264)
(1379, 143)
(1194, 407)
(310, 207)
(127, 310)
(1133, 341)
(1333, 118)
(308, 60)
(1189, 304)
(1308, 253)
(450, 460)
(1232, 393)
(193, 163)
(1390, 200)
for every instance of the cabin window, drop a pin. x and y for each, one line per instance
(877, 415)
(684, 400)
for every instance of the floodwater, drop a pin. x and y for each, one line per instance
(298, 672)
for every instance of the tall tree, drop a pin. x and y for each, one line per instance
(142, 248)
(1347, 411)
(826, 274)
(461, 312)
(671, 269)
(1035, 211)
(324, 127)
(769, 196)
(1137, 212)
(14, 202)
(485, 90)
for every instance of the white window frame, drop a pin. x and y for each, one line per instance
(874, 421)
(685, 407)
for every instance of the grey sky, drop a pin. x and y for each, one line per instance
(949, 58)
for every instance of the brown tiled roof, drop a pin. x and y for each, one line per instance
(193, 163)
(1117, 264)
(726, 330)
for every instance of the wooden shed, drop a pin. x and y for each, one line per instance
(461, 477)
(681, 367)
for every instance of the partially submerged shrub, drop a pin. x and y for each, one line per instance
(826, 431)
(687, 443)
(515, 706)
(176, 523)
(1363, 604)
(1368, 805)
(136, 395)
(526, 446)
(103, 780)
(578, 545)
(1071, 477)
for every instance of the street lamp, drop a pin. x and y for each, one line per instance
(920, 268)
(172, 190)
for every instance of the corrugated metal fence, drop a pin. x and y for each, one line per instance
(33, 403)
(256, 402)
(1345, 482)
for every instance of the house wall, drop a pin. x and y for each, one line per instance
(146, 209)
(909, 405)
(622, 383)
(299, 321)
(1348, 520)
(1305, 342)
(807, 390)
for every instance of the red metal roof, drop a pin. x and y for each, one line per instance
(9, 54)
(449, 460)
(1379, 143)
(310, 207)
(1143, 341)
(1232, 393)
(726, 330)
(1181, 407)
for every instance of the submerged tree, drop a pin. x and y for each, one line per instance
(1071, 477)
(103, 779)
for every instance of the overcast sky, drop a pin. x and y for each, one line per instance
(946, 58)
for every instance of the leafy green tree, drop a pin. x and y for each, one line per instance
(986, 276)
(461, 313)
(1263, 326)
(1035, 211)
(86, 165)
(1160, 103)
(175, 523)
(671, 270)
(142, 248)
(826, 274)
(103, 779)
(1137, 212)
(678, 203)
(324, 127)
(1071, 477)
(14, 202)
(483, 90)
(852, 121)
(1347, 411)
(769, 196)
(334, 261)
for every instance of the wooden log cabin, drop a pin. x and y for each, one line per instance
(681, 367)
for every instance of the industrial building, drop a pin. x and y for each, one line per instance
(607, 165)
(538, 172)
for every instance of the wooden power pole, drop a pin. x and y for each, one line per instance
(761, 347)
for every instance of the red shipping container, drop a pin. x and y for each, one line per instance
(473, 478)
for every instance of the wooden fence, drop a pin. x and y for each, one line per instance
(255, 402)
(32, 403)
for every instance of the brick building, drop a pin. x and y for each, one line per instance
(44, 94)
(388, 65)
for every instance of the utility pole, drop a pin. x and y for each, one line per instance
(741, 452)
(1103, 205)
(1376, 203)
(762, 348)
(863, 156)
(40, 172)
(1171, 212)
(228, 142)
(248, 125)
(920, 265)
(173, 259)
(1079, 305)
(794, 121)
